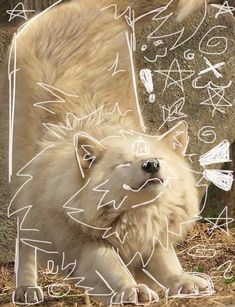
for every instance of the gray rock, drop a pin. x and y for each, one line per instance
(212, 104)
(7, 226)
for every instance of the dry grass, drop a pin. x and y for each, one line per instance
(222, 243)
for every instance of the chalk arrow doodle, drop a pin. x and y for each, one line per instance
(173, 112)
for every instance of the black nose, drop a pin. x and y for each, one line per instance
(151, 165)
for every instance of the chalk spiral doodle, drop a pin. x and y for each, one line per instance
(59, 289)
(207, 134)
(188, 55)
(214, 42)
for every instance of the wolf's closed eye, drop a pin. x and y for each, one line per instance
(127, 164)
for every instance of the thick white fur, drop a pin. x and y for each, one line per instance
(71, 48)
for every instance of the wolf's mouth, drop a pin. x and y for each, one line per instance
(145, 184)
(152, 181)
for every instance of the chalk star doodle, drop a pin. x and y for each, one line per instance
(220, 222)
(216, 98)
(181, 74)
(17, 12)
(212, 68)
(223, 9)
(173, 112)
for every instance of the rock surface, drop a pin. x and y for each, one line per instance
(206, 97)
(193, 72)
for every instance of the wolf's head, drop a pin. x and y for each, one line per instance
(133, 170)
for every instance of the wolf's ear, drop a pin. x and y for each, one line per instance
(88, 150)
(177, 137)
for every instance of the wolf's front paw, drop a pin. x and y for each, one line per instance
(135, 295)
(190, 285)
(28, 295)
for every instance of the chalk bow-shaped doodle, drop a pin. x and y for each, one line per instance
(223, 179)
(218, 154)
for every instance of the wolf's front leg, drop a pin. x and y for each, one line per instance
(108, 277)
(27, 291)
(164, 266)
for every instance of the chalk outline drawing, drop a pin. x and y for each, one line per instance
(131, 47)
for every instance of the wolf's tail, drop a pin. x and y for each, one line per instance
(186, 7)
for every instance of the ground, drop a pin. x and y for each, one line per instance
(220, 243)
